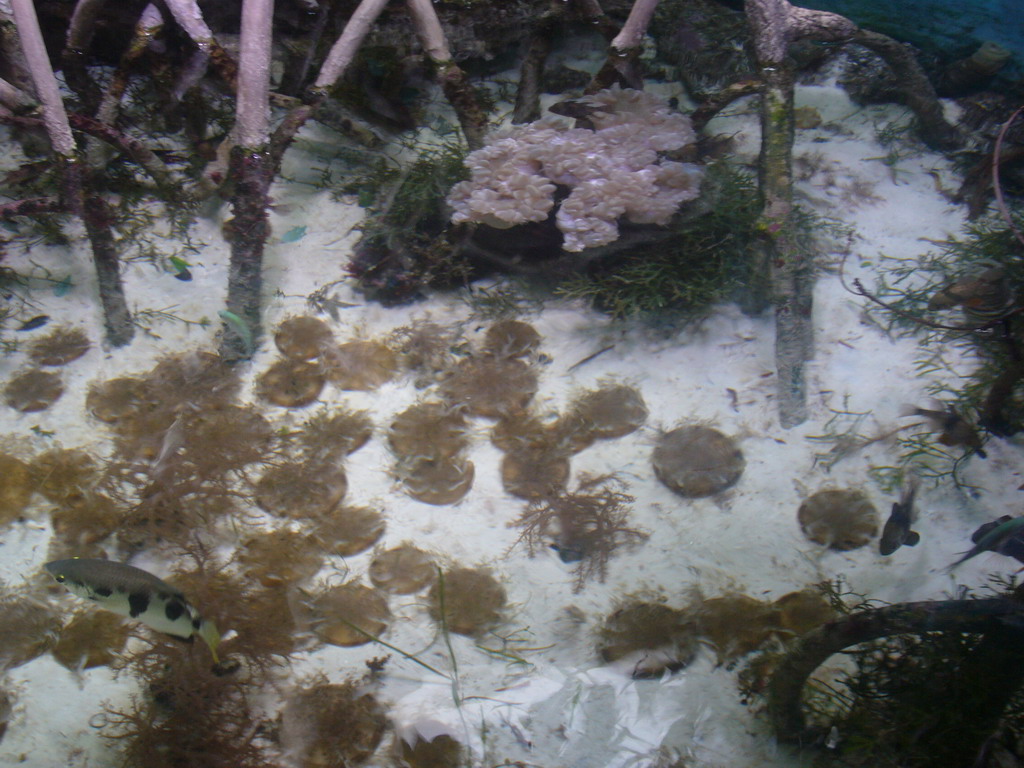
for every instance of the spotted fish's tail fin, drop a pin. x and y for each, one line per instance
(208, 632)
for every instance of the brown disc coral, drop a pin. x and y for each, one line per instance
(116, 399)
(15, 489)
(650, 637)
(403, 570)
(697, 461)
(491, 387)
(442, 751)
(511, 338)
(349, 530)
(91, 639)
(64, 475)
(736, 624)
(32, 391)
(840, 519)
(194, 380)
(360, 365)
(329, 436)
(299, 489)
(332, 726)
(800, 612)
(534, 474)
(28, 628)
(603, 414)
(59, 347)
(278, 558)
(472, 600)
(350, 614)
(303, 337)
(91, 519)
(428, 430)
(291, 383)
(437, 481)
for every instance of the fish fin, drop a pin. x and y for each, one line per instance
(208, 632)
(911, 538)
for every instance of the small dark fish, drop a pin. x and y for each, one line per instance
(985, 294)
(181, 269)
(997, 538)
(955, 429)
(36, 322)
(568, 553)
(896, 532)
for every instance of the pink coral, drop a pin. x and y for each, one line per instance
(612, 171)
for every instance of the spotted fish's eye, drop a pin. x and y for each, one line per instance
(60, 577)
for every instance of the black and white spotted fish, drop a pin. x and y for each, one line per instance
(135, 593)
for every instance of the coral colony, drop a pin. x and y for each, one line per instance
(613, 170)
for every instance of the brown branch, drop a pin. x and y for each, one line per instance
(862, 291)
(996, 186)
(814, 648)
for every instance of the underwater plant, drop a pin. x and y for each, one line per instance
(585, 527)
(291, 383)
(490, 387)
(651, 638)
(349, 614)
(33, 390)
(349, 530)
(59, 347)
(16, 489)
(697, 461)
(467, 601)
(839, 518)
(360, 365)
(403, 570)
(303, 337)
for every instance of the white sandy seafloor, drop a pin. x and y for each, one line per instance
(566, 708)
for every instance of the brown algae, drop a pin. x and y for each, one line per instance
(332, 726)
(61, 346)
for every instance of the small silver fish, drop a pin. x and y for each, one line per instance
(896, 532)
(135, 593)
